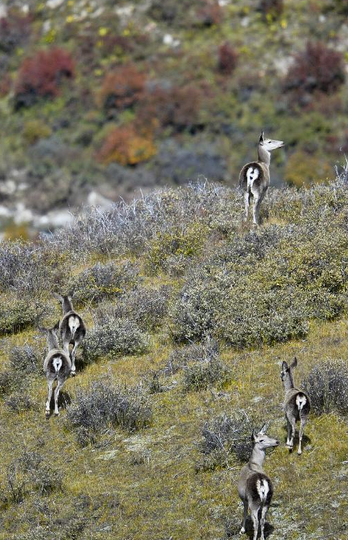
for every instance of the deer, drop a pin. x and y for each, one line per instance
(254, 178)
(296, 406)
(72, 328)
(57, 367)
(254, 486)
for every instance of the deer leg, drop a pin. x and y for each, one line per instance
(245, 502)
(263, 520)
(258, 198)
(56, 395)
(73, 356)
(288, 437)
(254, 510)
(48, 402)
(246, 204)
(302, 425)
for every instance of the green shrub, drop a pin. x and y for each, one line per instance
(102, 281)
(327, 386)
(116, 337)
(16, 316)
(224, 438)
(146, 307)
(172, 250)
(106, 405)
(205, 374)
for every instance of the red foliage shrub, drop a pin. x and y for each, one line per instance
(14, 31)
(227, 59)
(126, 146)
(209, 14)
(121, 89)
(316, 69)
(5, 84)
(176, 107)
(271, 8)
(41, 76)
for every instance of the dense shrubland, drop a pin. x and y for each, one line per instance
(189, 312)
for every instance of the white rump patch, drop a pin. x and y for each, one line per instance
(262, 489)
(252, 174)
(74, 323)
(300, 401)
(57, 363)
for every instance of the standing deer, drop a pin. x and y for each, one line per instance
(72, 329)
(254, 487)
(296, 405)
(57, 367)
(254, 178)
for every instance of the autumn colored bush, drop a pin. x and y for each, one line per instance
(14, 31)
(121, 89)
(271, 9)
(209, 14)
(41, 75)
(316, 69)
(176, 107)
(127, 147)
(228, 58)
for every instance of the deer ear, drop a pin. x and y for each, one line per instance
(57, 296)
(254, 435)
(285, 366)
(262, 137)
(263, 429)
(294, 363)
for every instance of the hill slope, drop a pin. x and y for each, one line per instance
(190, 313)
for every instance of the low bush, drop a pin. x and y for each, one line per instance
(105, 405)
(25, 359)
(114, 338)
(177, 108)
(19, 402)
(203, 375)
(15, 30)
(102, 281)
(224, 439)
(227, 60)
(121, 89)
(316, 69)
(30, 472)
(327, 386)
(181, 357)
(127, 146)
(173, 250)
(17, 316)
(271, 9)
(147, 307)
(41, 76)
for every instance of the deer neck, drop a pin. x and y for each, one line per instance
(263, 155)
(67, 305)
(288, 382)
(257, 459)
(52, 341)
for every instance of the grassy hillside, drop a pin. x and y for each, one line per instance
(122, 96)
(190, 313)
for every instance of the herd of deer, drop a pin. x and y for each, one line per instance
(254, 487)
